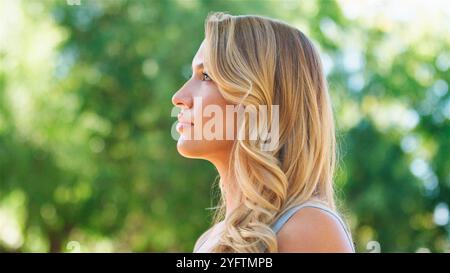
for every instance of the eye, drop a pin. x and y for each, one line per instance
(205, 77)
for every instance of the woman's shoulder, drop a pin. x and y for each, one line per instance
(314, 228)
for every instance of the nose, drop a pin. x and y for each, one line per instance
(182, 98)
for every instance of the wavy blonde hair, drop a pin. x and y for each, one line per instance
(256, 60)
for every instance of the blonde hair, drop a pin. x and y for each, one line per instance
(256, 60)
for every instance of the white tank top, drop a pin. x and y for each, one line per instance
(276, 227)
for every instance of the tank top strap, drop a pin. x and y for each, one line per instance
(276, 227)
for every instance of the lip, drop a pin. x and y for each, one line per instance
(182, 125)
(182, 122)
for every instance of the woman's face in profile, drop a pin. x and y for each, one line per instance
(202, 120)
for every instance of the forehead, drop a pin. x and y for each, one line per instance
(198, 58)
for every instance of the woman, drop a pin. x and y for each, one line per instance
(276, 199)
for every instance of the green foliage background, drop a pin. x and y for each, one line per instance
(86, 153)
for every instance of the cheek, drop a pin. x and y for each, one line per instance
(214, 98)
(210, 95)
(206, 148)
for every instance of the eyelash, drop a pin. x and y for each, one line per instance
(204, 74)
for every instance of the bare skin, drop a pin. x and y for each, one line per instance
(215, 151)
(313, 230)
(308, 230)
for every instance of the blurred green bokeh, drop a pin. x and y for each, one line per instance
(87, 161)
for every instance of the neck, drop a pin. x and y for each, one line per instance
(229, 187)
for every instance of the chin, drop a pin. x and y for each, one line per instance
(202, 149)
(190, 148)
